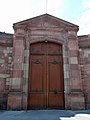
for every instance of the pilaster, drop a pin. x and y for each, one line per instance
(15, 94)
(76, 91)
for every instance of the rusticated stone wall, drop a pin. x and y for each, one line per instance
(6, 44)
(84, 58)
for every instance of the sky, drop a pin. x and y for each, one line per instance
(74, 11)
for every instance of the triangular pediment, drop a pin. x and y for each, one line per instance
(45, 20)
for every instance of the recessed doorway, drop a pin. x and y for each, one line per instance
(46, 82)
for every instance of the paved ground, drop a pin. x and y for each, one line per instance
(45, 115)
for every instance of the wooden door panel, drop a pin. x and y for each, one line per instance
(36, 86)
(54, 48)
(56, 100)
(38, 48)
(36, 100)
(55, 76)
(55, 81)
(36, 81)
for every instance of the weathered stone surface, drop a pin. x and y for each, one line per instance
(6, 44)
(73, 60)
(84, 44)
(14, 101)
(4, 75)
(14, 60)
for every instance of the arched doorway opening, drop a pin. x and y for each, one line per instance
(46, 81)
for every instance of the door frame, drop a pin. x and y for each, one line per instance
(51, 41)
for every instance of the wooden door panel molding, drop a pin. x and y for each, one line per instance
(37, 62)
(55, 62)
(56, 92)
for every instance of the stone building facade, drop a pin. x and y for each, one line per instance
(15, 56)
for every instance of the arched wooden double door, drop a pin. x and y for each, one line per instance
(46, 86)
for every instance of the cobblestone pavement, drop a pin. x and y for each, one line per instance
(45, 115)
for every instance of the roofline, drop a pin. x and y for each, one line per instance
(28, 19)
(63, 20)
(83, 35)
(48, 15)
(6, 33)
